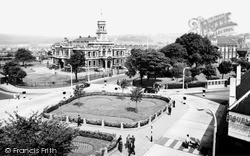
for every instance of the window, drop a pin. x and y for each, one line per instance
(88, 54)
(117, 53)
(121, 53)
(93, 54)
(89, 63)
(94, 63)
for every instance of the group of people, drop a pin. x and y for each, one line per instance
(17, 96)
(130, 144)
(192, 143)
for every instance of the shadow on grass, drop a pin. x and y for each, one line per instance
(131, 109)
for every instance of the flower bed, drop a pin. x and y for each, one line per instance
(94, 122)
(130, 125)
(110, 124)
(144, 122)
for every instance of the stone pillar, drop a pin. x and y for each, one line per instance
(84, 121)
(238, 75)
(67, 119)
(106, 63)
(139, 124)
(102, 123)
(232, 91)
(122, 125)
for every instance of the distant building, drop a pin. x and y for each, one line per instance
(99, 51)
(227, 48)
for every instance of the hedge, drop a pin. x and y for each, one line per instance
(144, 122)
(187, 85)
(159, 113)
(112, 124)
(130, 125)
(153, 117)
(98, 135)
(94, 122)
(165, 108)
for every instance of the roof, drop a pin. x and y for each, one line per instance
(244, 105)
(225, 41)
(85, 39)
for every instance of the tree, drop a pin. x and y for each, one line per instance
(176, 53)
(195, 71)
(34, 133)
(156, 62)
(124, 84)
(23, 55)
(14, 73)
(76, 60)
(244, 63)
(177, 70)
(209, 71)
(78, 91)
(199, 49)
(137, 61)
(136, 96)
(225, 68)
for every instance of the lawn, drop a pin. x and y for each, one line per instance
(87, 146)
(111, 108)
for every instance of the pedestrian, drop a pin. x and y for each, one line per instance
(133, 144)
(130, 150)
(118, 140)
(127, 141)
(173, 103)
(120, 146)
(18, 96)
(169, 108)
(79, 120)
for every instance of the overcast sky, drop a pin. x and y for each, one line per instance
(78, 17)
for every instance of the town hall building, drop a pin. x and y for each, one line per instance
(99, 51)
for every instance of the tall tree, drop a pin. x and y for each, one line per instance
(225, 68)
(195, 71)
(124, 84)
(78, 91)
(137, 61)
(176, 53)
(34, 133)
(76, 60)
(14, 73)
(199, 49)
(136, 96)
(156, 62)
(24, 55)
(209, 71)
(177, 70)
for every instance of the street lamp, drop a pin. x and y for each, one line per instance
(183, 79)
(71, 80)
(88, 71)
(215, 127)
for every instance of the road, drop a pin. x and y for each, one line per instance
(113, 80)
(217, 96)
(5, 96)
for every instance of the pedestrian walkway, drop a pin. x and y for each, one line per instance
(176, 144)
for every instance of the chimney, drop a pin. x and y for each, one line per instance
(232, 92)
(238, 75)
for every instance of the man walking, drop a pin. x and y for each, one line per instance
(79, 120)
(133, 145)
(170, 107)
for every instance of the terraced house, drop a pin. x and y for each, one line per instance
(99, 51)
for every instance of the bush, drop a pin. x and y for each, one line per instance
(71, 119)
(130, 125)
(110, 124)
(144, 122)
(45, 115)
(153, 117)
(165, 108)
(159, 113)
(174, 85)
(98, 135)
(197, 84)
(94, 122)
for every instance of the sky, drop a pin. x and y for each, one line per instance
(79, 17)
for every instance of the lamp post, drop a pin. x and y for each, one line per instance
(215, 127)
(88, 71)
(71, 80)
(183, 79)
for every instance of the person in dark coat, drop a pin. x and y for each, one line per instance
(133, 144)
(127, 141)
(120, 146)
(170, 108)
(130, 150)
(79, 120)
(173, 103)
(119, 139)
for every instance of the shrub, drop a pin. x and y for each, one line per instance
(165, 108)
(45, 115)
(159, 113)
(93, 122)
(130, 125)
(197, 84)
(153, 117)
(174, 85)
(144, 122)
(71, 119)
(110, 124)
(98, 135)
